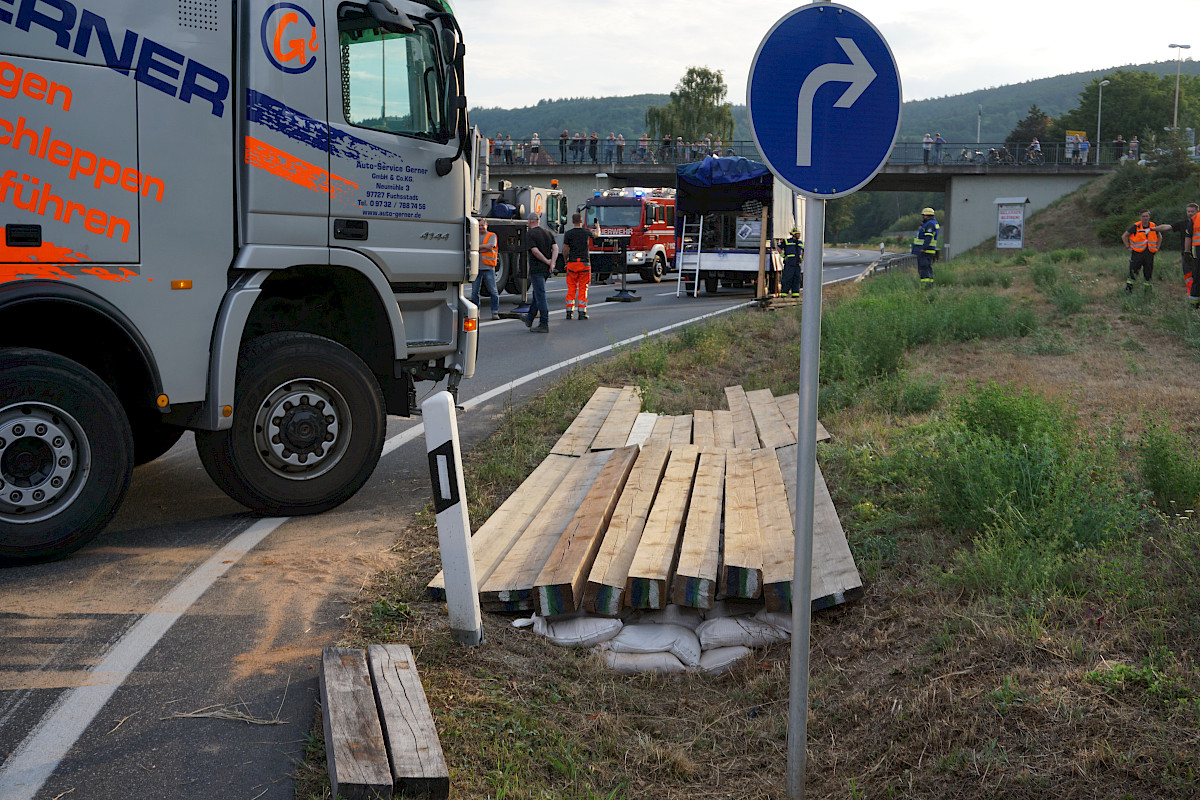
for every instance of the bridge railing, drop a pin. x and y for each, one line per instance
(549, 153)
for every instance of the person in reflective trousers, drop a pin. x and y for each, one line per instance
(1187, 228)
(1141, 240)
(925, 246)
(793, 265)
(579, 267)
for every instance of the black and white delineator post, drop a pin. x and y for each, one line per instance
(453, 523)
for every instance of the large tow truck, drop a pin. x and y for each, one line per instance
(637, 231)
(250, 220)
(506, 208)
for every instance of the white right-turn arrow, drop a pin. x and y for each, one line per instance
(858, 73)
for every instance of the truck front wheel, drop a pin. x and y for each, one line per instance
(308, 427)
(66, 455)
(654, 273)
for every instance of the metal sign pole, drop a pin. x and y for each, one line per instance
(806, 476)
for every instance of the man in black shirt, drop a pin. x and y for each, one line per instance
(1187, 233)
(543, 252)
(579, 264)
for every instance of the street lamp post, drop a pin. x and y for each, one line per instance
(1100, 108)
(1178, 63)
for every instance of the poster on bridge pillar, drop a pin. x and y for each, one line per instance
(1010, 225)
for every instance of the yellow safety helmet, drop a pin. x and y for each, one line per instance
(927, 212)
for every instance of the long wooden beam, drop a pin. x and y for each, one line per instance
(577, 438)
(617, 425)
(741, 571)
(695, 582)
(744, 434)
(650, 573)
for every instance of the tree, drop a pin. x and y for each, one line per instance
(1135, 104)
(839, 214)
(1035, 125)
(697, 108)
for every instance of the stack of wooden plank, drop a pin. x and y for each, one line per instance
(636, 510)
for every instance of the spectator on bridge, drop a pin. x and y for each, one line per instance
(938, 141)
(1084, 147)
(1073, 147)
(1118, 148)
(535, 146)
(1134, 148)
(664, 153)
(563, 139)
(594, 145)
(508, 149)
(620, 148)
(610, 148)
(1141, 240)
(927, 147)
(643, 147)
(717, 146)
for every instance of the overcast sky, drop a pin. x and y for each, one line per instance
(519, 53)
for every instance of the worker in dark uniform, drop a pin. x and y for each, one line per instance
(925, 246)
(793, 265)
(1187, 232)
(1141, 240)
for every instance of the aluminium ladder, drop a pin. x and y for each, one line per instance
(688, 257)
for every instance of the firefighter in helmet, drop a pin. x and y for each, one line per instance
(793, 265)
(925, 245)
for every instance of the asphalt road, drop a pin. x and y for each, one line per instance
(122, 665)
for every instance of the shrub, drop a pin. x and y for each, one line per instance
(1044, 275)
(1168, 467)
(903, 394)
(1073, 255)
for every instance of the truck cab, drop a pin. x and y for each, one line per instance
(250, 220)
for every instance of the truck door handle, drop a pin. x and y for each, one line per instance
(350, 229)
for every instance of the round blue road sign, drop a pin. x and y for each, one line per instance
(824, 100)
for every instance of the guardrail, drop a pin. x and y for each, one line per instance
(999, 154)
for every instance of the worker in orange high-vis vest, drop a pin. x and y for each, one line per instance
(1188, 233)
(489, 256)
(1141, 240)
(579, 265)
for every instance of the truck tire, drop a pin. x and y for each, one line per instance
(710, 284)
(502, 279)
(66, 455)
(654, 273)
(308, 427)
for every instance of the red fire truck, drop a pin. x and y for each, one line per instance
(636, 222)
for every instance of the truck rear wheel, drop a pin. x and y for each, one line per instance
(308, 426)
(710, 284)
(66, 455)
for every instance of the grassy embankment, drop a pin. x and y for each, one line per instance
(1013, 464)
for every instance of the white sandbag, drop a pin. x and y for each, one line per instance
(674, 639)
(636, 663)
(779, 619)
(743, 630)
(722, 659)
(581, 631)
(671, 615)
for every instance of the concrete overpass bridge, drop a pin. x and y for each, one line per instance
(971, 184)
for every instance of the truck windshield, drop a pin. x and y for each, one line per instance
(613, 216)
(392, 82)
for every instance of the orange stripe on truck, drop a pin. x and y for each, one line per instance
(284, 165)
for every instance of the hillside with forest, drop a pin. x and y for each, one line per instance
(954, 116)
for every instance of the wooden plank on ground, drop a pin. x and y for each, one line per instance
(695, 582)
(741, 571)
(418, 766)
(559, 586)
(835, 577)
(662, 429)
(773, 430)
(649, 580)
(495, 538)
(744, 434)
(512, 580)
(605, 587)
(703, 434)
(643, 426)
(723, 429)
(681, 430)
(354, 747)
(577, 438)
(619, 422)
(789, 407)
(775, 530)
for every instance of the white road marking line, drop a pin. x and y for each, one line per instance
(36, 758)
